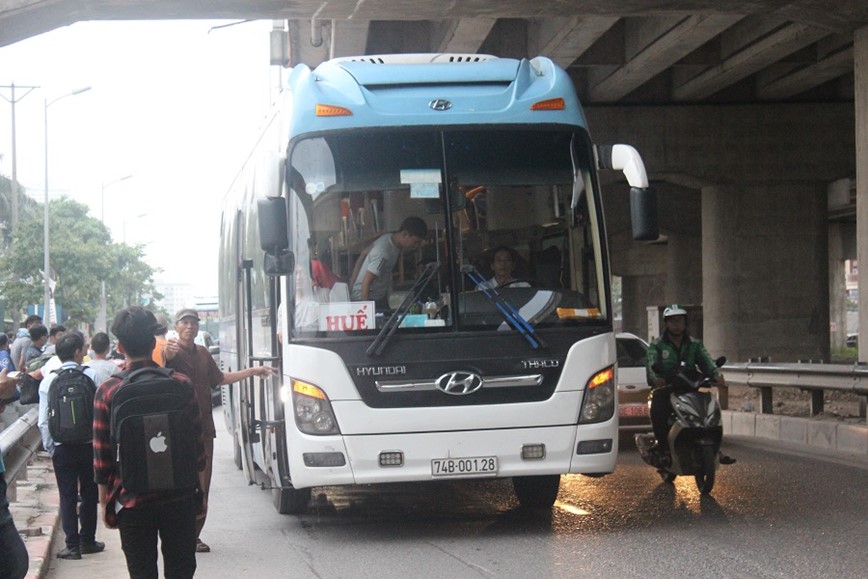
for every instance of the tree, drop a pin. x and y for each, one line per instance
(82, 256)
(26, 208)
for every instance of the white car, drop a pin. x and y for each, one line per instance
(633, 386)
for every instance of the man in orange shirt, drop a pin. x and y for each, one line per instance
(159, 355)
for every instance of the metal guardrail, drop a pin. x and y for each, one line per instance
(18, 443)
(816, 379)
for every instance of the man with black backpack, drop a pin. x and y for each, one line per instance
(66, 423)
(148, 455)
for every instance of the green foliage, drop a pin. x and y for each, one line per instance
(617, 304)
(844, 355)
(82, 256)
(27, 207)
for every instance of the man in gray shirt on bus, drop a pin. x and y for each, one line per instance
(372, 278)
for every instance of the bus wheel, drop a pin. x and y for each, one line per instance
(236, 453)
(537, 492)
(290, 501)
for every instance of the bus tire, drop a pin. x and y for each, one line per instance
(236, 454)
(537, 492)
(290, 501)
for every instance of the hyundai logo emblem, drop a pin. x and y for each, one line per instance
(459, 383)
(440, 105)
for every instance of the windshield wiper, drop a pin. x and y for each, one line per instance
(506, 309)
(376, 348)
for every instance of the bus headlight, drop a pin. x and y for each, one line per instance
(598, 404)
(313, 411)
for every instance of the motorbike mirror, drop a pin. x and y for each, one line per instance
(720, 361)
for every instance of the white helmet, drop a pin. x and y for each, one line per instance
(674, 310)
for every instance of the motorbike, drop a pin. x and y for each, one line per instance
(695, 430)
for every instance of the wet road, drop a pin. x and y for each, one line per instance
(773, 514)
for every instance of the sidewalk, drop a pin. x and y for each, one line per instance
(36, 516)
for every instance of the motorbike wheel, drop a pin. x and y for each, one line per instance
(705, 472)
(667, 476)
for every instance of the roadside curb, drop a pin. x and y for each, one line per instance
(809, 432)
(36, 513)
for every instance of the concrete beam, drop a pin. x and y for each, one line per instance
(309, 42)
(749, 59)
(682, 37)
(460, 35)
(566, 39)
(808, 77)
(721, 144)
(22, 18)
(349, 37)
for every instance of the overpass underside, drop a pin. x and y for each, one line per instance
(749, 114)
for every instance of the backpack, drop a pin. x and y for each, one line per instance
(29, 388)
(70, 406)
(38, 362)
(155, 443)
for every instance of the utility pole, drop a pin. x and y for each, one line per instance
(12, 100)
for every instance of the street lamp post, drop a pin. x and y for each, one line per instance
(102, 318)
(46, 273)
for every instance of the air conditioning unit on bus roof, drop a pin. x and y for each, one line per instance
(416, 58)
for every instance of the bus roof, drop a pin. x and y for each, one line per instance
(431, 89)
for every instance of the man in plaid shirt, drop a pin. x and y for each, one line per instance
(141, 517)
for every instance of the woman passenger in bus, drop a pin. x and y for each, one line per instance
(503, 260)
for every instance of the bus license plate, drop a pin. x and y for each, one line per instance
(472, 466)
(633, 410)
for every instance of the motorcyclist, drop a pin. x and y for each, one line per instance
(673, 347)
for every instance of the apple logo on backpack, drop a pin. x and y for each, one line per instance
(158, 443)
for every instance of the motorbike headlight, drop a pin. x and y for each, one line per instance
(688, 414)
(599, 401)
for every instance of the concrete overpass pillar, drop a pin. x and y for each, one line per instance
(765, 271)
(860, 47)
(837, 288)
(637, 293)
(683, 270)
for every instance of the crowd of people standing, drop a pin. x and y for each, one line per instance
(87, 471)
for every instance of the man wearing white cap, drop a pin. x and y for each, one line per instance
(662, 358)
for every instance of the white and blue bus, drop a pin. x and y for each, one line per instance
(448, 375)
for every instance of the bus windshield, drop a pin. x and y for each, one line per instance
(510, 218)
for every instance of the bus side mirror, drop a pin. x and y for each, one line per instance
(273, 236)
(643, 214)
(643, 199)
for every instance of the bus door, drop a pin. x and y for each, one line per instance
(247, 409)
(271, 413)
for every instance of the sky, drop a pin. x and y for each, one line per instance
(174, 105)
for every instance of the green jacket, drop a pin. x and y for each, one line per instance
(692, 352)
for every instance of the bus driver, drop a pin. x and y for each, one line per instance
(372, 278)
